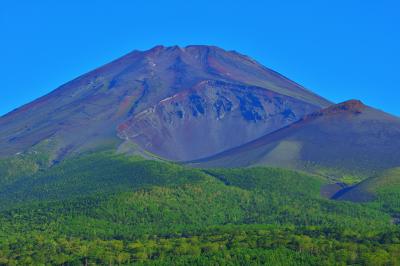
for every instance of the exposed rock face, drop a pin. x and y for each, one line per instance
(211, 117)
(214, 98)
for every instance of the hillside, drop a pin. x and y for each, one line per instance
(382, 190)
(105, 208)
(347, 138)
(148, 101)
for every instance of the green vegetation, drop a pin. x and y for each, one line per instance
(11, 169)
(336, 174)
(388, 191)
(22, 165)
(350, 179)
(110, 209)
(382, 189)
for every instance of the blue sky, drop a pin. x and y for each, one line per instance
(339, 49)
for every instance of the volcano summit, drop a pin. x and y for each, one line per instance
(173, 102)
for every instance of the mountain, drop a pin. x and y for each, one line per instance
(177, 103)
(99, 205)
(349, 137)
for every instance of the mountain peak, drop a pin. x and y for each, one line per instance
(161, 47)
(133, 89)
(350, 106)
(195, 50)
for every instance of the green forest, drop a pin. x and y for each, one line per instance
(108, 209)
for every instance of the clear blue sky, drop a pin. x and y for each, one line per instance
(339, 49)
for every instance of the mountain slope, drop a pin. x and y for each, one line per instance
(104, 208)
(383, 188)
(117, 101)
(349, 137)
(197, 121)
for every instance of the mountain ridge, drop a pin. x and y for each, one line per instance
(349, 137)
